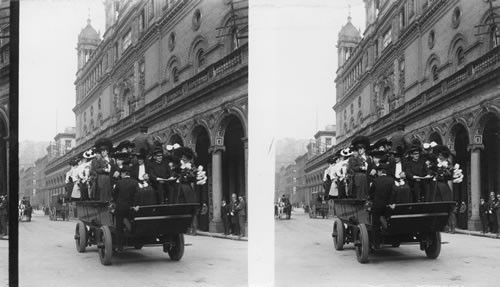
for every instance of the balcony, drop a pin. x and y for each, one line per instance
(211, 75)
(444, 90)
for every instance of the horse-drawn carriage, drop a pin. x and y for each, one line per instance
(58, 208)
(407, 223)
(284, 210)
(151, 225)
(24, 210)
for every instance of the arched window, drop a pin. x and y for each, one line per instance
(460, 57)
(200, 58)
(434, 73)
(494, 36)
(175, 75)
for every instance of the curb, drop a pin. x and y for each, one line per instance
(477, 233)
(217, 235)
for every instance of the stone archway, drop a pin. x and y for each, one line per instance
(201, 141)
(233, 159)
(461, 192)
(490, 156)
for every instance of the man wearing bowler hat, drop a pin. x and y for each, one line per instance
(159, 174)
(380, 195)
(123, 196)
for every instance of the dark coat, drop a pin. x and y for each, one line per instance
(380, 191)
(240, 207)
(134, 170)
(155, 170)
(124, 193)
(391, 171)
(415, 168)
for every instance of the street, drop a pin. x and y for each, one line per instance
(305, 256)
(48, 257)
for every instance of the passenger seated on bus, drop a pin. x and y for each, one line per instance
(123, 196)
(401, 192)
(380, 194)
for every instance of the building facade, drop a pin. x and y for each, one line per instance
(433, 66)
(181, 68)
(4, 94)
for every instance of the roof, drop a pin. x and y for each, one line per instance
(89, 35)
(349, 32)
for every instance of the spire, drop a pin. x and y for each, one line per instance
(349, 17)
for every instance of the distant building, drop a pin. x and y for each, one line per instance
(432, 66)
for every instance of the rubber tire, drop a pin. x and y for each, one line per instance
(338, 228)
(80, 237)
(138, 246)
(363, 249)
(396, 244)
(106, 251)
(433, 250)
(177, 251)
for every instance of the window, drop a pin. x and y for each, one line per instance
(84, 116)
(494, 36)
(91, 111)
(460, 57)
(175, 75)
(117, 9)
(352, 108)
(359, 102)
(328, 141)
(200, 58)
(434, 72)
(142, 20)
(99, 104)
(345, 115)
(387, 38)
(456, 17)
(116, 52)
(402, 19)
(196, 20)
(430, 39)
(68, 144)
(127, 40)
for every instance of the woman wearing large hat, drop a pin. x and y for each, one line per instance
(101, 167)
(358, 167)
(186, 172)
(443, 171)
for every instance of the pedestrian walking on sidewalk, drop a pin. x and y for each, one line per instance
(225, 211)
(483, 214)
(241, 215)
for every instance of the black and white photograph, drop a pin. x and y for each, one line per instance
(133, 143)
(399, 184)
(250, 143)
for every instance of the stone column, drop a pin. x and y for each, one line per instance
(216, 224)
(245, 146)
(474, 222)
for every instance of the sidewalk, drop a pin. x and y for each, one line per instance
(219, 235)
(476, 233)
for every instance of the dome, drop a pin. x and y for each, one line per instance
(89, 35)
(349, 32)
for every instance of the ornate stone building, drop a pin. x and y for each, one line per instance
(181, 68)
(433, 66)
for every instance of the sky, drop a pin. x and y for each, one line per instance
(48, 34)
(305, 42)
(303, 53)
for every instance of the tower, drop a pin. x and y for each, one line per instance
(88, 40)
(349, 38)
